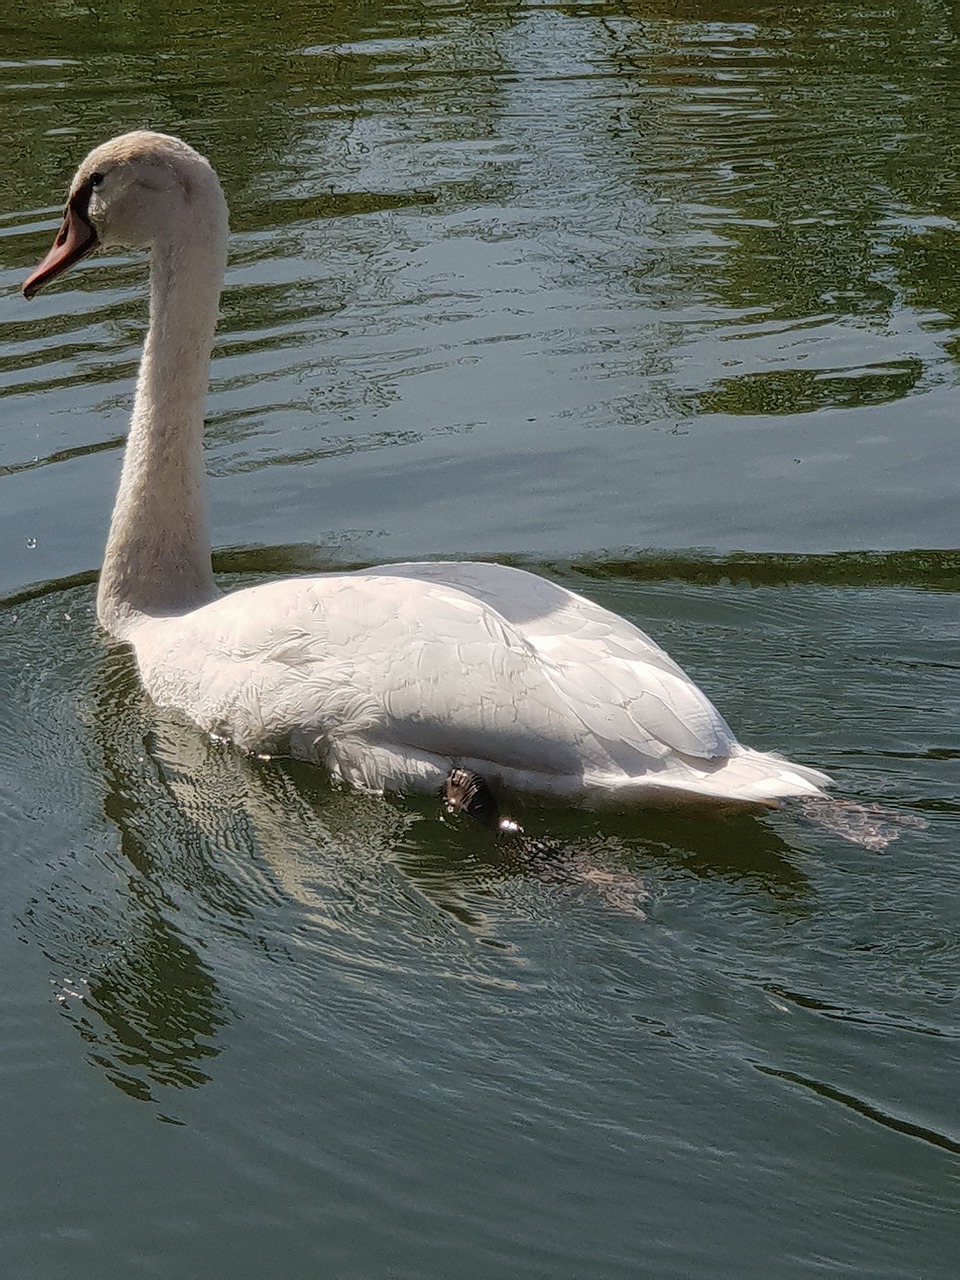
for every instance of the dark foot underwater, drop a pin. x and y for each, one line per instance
(469, 793)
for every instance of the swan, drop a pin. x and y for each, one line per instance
(390, 677)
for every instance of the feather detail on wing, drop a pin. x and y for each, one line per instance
(608, 673)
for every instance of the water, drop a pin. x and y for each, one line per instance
(659, 300)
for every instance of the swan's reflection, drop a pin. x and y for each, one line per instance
(210, 843)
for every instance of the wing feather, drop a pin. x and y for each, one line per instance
(453, 660)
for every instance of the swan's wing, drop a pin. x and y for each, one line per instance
(615, 679)
(521, 598)
(497, 665)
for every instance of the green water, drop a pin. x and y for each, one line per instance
(660, 300)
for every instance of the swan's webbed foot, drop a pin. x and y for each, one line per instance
(466, 792)
(871, 826)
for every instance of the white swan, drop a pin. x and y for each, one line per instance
(390, 677)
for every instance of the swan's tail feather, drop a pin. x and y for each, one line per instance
(746, 777)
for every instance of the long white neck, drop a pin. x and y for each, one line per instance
(157, 560)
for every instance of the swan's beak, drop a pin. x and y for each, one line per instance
(75, 239)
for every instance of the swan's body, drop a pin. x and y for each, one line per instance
(391, 676)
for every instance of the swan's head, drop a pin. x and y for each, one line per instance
(135, 190)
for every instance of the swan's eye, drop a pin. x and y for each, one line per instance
(96, 179)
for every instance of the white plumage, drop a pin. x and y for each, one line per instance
(390, 676)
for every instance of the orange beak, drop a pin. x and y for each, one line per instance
(75, 239)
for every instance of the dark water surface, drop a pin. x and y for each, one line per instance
(663, 301)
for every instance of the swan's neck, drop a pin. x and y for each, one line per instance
(157, 561)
